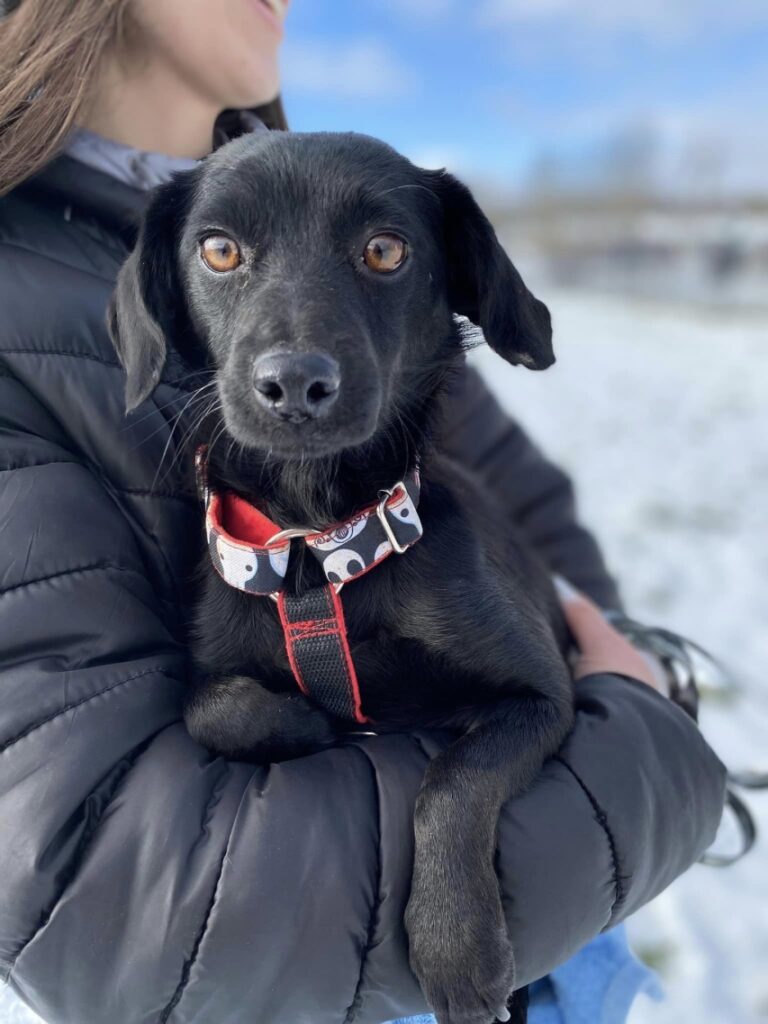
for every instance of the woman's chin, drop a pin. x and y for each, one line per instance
(261, 89)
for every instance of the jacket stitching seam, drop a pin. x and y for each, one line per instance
(165, 570)
(146, 493)
(602, 820)
(373, 919)
(556, 493)
(83, 355)
(82, 847)
(78, 268)
(189, 963)
(214, 799)
(39, 465)
(154, 670)
(420, 744)
(505, 438)
(60, 352)
(95, 567)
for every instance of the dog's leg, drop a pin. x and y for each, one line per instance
(459, 947)
(238, 717)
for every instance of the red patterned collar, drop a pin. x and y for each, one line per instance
(251, 553)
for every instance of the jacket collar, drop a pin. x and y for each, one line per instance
(75, 188)
(76, 191)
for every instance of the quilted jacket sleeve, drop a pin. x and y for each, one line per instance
(142, 880)
(538, 494)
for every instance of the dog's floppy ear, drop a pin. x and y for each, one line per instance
(484, 286)
(147, 309)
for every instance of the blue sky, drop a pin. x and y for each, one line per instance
(494, 87)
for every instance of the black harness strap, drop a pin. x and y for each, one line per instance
(318, 652)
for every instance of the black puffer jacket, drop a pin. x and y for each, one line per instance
(140, 879)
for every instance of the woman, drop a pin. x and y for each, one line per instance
(143, 881)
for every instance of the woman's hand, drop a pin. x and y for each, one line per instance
(603, 649)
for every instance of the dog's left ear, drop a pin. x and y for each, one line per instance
(483, 284)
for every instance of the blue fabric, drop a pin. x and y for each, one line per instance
(596, 986)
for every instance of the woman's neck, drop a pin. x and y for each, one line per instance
(151, 108)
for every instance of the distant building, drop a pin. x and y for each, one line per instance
(694, 252)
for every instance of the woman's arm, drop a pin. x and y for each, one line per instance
(632, 800)
(538, 494)
(145, 881)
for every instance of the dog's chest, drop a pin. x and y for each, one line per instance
(391, 616)
(406, 622)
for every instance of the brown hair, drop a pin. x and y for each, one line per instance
(48, 64)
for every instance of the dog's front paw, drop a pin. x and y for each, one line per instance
(238, 717)
(461, 956)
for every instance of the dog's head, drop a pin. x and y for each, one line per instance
(317, 275)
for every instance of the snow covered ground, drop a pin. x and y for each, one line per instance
(661, 415)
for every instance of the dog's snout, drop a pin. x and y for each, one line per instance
(296, 386)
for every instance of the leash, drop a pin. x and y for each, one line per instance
(251, 553)
(682, 660)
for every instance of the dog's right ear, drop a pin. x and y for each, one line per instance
(484, 285)
(147, 309)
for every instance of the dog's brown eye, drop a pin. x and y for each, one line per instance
(220, 253)
(385, 253)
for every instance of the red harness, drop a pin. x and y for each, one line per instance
(251, 553)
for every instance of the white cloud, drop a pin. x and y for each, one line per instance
(712, 142)
(362, 68)
(658, 20)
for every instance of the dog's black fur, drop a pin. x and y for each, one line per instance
(464, 631)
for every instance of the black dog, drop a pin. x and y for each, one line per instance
(316, 278)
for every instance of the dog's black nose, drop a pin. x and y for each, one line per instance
(296, 386)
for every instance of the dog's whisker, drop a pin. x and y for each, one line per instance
(165, 405)
(160, 407)
(158, 430)
(194, 396)
(193, 429)
(175, 418)
(398, 188)
(218, 435)
(186, 434)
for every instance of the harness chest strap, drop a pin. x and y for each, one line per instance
(251, 553)
(318, 652)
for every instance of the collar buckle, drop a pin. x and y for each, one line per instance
(381, 512)
(291, 533)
